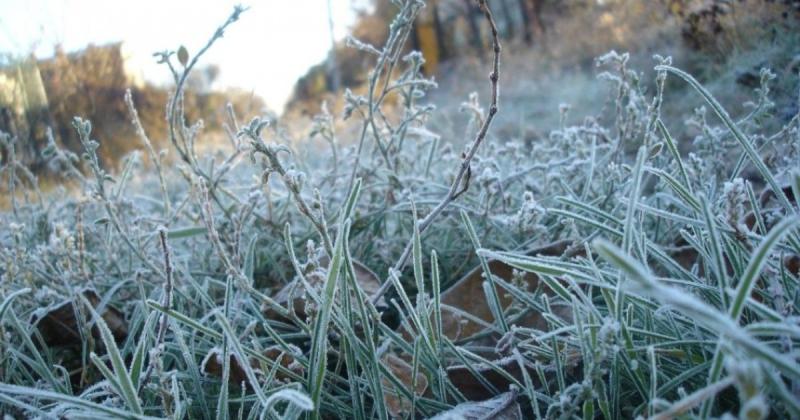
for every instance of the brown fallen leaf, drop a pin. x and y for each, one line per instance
(465, 312)
(212, 365)
(768, 194)
(685, 255)
(467, 296)
(501, 407)
(291, 295)
(397, 403)
(366, 278)
(792, 264)
(750, 220)
(471, 387)
(59, 324)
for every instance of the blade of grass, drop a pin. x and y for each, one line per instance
(128, 391)
(740, 137)
(96, 410)
(319, 342)
(745, 288)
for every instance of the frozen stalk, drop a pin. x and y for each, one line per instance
(460, 184)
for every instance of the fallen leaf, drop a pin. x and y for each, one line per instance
(471, 386)
(467, 296)
(291, 295)
(59, 324)
(501, 407)
(767, 194)
(212, 365)
(396, 402)
(465, 312)
(792, 264)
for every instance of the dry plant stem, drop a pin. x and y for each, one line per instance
(164, 322)
(186, 154)
(175, 112)
(334, 67)
(137, 125)
(112, 215)
(357, 162)
(231, 161)
(456, 188)
(232, 270)
(389, 55)
(318, 221)
(84, 130)
(213, 235)
(12, 157)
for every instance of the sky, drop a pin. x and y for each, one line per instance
(272, 44)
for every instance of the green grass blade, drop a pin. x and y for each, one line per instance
(740, 137)
(128, 391)
(97, 410)
(319, 342)
(10, 299)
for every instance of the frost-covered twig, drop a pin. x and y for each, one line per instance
(291, 179)
(163, 324)
(154, 157)
(181, 136)
(388, 58)
(461, 182)
(84, 129)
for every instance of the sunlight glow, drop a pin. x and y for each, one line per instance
(273, 44)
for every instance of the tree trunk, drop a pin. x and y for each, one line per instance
(536, 17)
(473, 14)
(532, 27)
(525, 12)
(444, 52)
(509, 26)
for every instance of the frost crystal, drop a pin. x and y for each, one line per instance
(734, 197)
(530, 213)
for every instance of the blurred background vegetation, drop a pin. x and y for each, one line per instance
(552, 44)
(39, 94)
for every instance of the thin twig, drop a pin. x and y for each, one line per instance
(461, 182)
(162, 328)
(186, 154)
(182, 137)
(317, 218)
(387, 61)
(137, 125)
